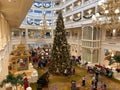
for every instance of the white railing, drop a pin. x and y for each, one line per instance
(91, 43)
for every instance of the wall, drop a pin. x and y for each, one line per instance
(4, 47)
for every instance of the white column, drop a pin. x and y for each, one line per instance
(103, 35)
(96, 8)
(26, 33)
(0, 34)
(78, 36)
(72, 6)
(82, 2)
(52, 33)
(91, 52)
(82, 33)
(92, 36)
(101, 57)
(70, 34)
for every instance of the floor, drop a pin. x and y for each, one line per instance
(111, 83)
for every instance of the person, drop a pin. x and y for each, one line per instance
(96, 77)
(103, 86)
(26, 83)
(83, 81)
(73, 71)
(73, 87)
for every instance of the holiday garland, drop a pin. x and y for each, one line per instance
(30, 23)
(76, 20)
(36, 23)
(42, 5)
(37, 5)
(45, 6)
(100, 13)
(88, 17)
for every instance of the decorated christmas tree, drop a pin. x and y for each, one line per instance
(60, 54)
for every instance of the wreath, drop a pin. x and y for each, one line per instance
(76, 20)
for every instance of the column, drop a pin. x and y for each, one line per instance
(52, 33)
(70, 34)
(103, 35)
(91, 55)
(82, 33)
(82, 2)
(92, 37)
(78, 50)
(96, 8)
(82, 56)
(0, 34)
(26, 33)
(101, 56)
(78, 36)
(72, 6)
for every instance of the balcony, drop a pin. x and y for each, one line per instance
(34, 39)
(91, 44)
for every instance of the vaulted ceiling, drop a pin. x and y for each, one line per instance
(15, 10)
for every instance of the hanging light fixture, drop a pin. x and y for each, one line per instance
(44, 25)
(108, 15)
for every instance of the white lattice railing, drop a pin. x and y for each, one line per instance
(91, 43)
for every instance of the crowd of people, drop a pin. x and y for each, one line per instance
(43, 62)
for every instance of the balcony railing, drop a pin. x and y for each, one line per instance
(91, 43)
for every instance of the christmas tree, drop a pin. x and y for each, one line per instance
(60, 54)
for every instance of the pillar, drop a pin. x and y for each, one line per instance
(101, 57)
(91, 55)
(52, 33)
(26, 33)
(70, 34)
(78, 36)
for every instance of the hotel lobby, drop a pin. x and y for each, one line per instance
(38, 37)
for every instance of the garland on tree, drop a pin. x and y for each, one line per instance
(60, 54)
(88, 16)
(76, 20)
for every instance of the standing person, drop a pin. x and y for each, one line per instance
(83, 81)
(96, 76)
(104, 86)
(73, 71)
(73, 87)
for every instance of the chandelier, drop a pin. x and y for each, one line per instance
(44, 24)
(108, 15)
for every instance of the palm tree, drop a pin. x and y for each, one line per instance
(13, 80)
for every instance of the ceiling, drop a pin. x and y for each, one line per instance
(15, 10)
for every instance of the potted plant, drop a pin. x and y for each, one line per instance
(117, 60)
(12, 80)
